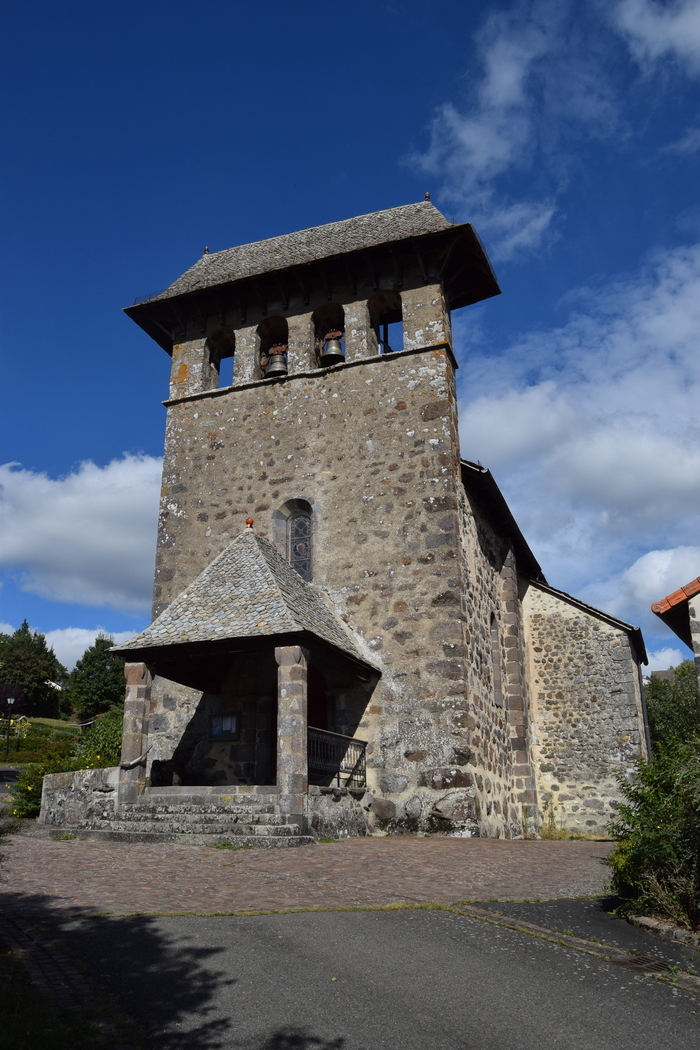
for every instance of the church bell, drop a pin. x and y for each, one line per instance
(332, 352)
(276, 361)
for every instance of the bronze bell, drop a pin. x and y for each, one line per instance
(276, 361)
(332, 352)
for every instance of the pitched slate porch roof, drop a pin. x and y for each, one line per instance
(248, 593)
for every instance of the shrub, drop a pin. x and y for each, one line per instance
(99, 747)
(656, 865)
(101, 744)
(673, 706)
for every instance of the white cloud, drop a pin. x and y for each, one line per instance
(539, 74)
(69, 643)
(6, 628)
(655, 31)
(87, 538)
(663, 659)
(593, 431)
(689, 143)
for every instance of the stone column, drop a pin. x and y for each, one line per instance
(426, 319)
(514, 689)
(302, 352)
(694, 617)
(360, 337)
(135, 734)
(246, 365)
(192, 370)
(292, 743)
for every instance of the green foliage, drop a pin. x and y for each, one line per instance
(97, 748)
(28, 666)
(97, 681)
(101, 744)
(674, 706)
(656, 865)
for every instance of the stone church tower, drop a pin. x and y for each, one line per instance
(347, 622)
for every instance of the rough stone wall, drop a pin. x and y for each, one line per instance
(586, 710)
(70, 799)
(338, 812)
(374, 449)
(481, 731)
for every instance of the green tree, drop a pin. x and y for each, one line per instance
(97, 681)
(27, 664)
(673, 706)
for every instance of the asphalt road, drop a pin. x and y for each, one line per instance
(7, 778)
(396, 980)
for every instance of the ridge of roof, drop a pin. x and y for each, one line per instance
(249, 590)
(309, 245)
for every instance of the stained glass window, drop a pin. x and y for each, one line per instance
(300, 544)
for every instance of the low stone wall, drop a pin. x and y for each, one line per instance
(338, 812)
(72, 798)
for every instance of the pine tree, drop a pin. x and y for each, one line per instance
(97, 681)
(29, 667)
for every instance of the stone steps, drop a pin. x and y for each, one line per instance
(236, 815)
(176, 828)
(218, 838)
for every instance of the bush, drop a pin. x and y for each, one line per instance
(673, 706)
(101, 744)
(656, 865)
(97, 748)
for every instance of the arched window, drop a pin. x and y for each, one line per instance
(329, 330)
(496, 662)
(299, 533)
(273, 333)
(221, 345)
(386, 318)
(292, 528)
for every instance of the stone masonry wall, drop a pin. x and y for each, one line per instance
(373, 447)
(586, 710)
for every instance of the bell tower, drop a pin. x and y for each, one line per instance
(338, 436)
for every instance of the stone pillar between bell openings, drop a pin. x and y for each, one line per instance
(192, 370)
(426, 319)
(301, 356)
(360, 337)
(137, 701)
(246, 364)
(292, 742)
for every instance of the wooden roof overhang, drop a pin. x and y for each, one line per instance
(205, 665)
(454, 256)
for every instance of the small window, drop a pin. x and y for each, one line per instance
(299, 531)
(223, 727)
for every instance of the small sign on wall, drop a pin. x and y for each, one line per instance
(223, 727)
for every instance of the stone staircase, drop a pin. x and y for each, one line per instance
(178, 816)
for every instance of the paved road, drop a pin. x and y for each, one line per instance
(397, 980)
(112, 877)
(7, 778)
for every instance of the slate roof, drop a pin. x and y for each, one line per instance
(248, 591)
(307, 246)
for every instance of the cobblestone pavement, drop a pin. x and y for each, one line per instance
(84, 877)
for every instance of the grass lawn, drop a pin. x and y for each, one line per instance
(56, 723)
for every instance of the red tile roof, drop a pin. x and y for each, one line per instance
(682, 595)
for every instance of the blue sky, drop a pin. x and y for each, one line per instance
(568, 133)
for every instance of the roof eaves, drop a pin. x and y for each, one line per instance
(614, 621)
(494, 502)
